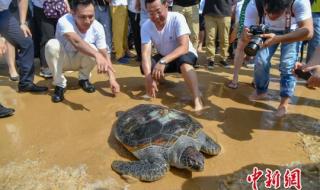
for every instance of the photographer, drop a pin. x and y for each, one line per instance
(288, 22)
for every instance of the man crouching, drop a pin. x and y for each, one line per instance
(79, 45)
(169, 33)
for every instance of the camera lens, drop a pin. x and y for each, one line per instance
(253, 47)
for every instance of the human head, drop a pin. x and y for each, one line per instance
(158, 11)
(275, 8)
(83, 13)
(192, 159)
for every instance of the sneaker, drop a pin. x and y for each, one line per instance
(225, 64)
(210, 65)
(45, 72)
(5, 112)
(123, 60)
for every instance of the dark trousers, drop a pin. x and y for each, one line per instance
(134, 19)
(46, 27)
(10, 30)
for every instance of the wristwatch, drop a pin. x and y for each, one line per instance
(162, 62)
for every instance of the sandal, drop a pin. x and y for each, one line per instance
(232, 85)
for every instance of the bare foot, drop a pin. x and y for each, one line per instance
(254, 96)
(281, 112)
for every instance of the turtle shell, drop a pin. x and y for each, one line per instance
(146, 125)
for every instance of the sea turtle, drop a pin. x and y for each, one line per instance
(160, 137)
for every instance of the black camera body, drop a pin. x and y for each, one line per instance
(253, 46)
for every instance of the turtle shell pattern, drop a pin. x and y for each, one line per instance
(146, 125)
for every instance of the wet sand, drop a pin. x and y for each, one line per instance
(76, 135)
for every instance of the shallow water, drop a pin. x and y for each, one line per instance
(78, 132)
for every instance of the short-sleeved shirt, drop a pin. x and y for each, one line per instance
(4, 4)
(132, 6)
(166, 40)
(95, 34)
(38, 3)
(301, 10)
(119, 2)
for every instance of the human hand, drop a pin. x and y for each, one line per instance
(158, 71)
(151, 86)
(25, 29)
(314, 80)
(103, 65)
(246, 35)
(270, 39)
(115, 87)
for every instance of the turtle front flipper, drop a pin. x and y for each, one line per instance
(209, 146)
(145, 170)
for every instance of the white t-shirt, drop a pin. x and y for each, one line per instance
(4, 4)
(132, 6)
(119, 2)
(301, 10)
(38, 3)
(95, 34)
(166, 40)
(238, 10)
(201, 6)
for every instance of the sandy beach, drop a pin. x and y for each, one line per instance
(70, 145)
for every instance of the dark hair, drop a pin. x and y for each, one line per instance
(76, 3)
(276, 6)
(151, 1)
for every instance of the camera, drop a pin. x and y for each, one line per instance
(253, 46)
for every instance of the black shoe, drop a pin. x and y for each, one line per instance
(210, 65)
(58, 94)
(5, 112)
(32, 88)
(87, 86)
(225, 64)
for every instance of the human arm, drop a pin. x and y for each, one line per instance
(79, 44)
(304, 32)
(183, 48)
(68, 5)
(115, 88)
(23, 9)
(150, 83)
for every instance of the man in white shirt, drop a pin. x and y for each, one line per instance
(169, 33)
(79, 45)
(289, 21)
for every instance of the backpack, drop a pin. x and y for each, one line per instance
(54, 8)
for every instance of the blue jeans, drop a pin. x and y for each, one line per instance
(315, 41)
(10, 30)
(288, 59)
(102, 14)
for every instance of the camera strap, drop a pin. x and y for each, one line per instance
(288, 15)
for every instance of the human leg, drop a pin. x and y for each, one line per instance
(211, 30)
(262, 72)
(315, 41)
(11, 61)
(190, 77)
(288, 81)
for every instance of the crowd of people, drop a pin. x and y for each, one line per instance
(78, 35)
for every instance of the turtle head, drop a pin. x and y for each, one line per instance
(192, 159)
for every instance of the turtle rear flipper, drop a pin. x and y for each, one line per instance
(145, 170)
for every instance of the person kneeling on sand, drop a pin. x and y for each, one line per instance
(169, 33)
(79, 45)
